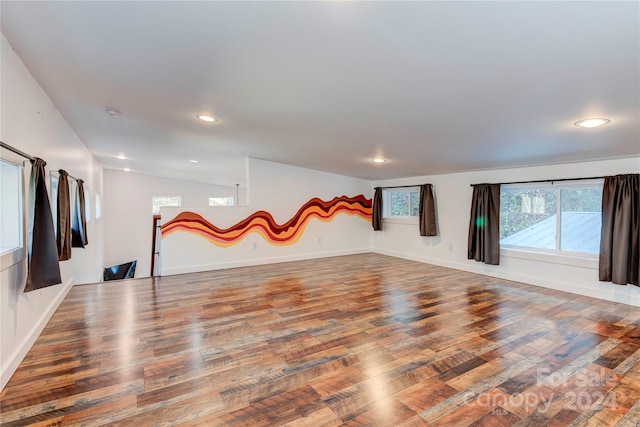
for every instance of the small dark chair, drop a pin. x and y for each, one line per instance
(119, 272)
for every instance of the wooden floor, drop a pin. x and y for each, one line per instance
(357, 340)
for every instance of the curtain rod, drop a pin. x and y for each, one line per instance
(68, 175)
(25, 155)
(403, 186)
(15, 150)
(549, 180)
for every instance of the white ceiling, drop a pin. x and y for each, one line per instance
(435, 87)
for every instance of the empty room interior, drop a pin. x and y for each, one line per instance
(320, 213)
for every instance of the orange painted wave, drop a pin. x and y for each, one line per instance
(262, 222)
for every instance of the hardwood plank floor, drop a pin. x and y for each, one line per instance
(358, 340)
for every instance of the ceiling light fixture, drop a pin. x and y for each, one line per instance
(592, 123)
(127, 169)
(121, 157)
(112, 112)
(206, 118)
(379, 160)
(193, 161)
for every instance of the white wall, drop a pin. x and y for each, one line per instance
(32, 123)
(128, 212)
(453, 201)
(280, 190)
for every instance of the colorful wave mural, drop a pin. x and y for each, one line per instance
(262, 222)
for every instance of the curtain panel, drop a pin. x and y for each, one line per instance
(79, 224)
(63, 217)
(427, 211)
(619, 259)
(376, 219)
(43, 267)
(484, 224)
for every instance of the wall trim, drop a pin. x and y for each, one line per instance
(18, 355)
(260, 261)
(625, 297)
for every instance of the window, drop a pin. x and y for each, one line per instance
(54, 200)
(564, 217)
(11, 218)
(221, 201)
(55, 183)
(401, 202)
(159, 201)
(87, 204)
(55, 180)
(98, 206)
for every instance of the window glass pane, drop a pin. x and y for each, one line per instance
(528, 217)
(415, 203)
(399, 203)
(221, 201)
(87, 204)
(158, 201)
(11, 207)
(98, 206)
(581, 219)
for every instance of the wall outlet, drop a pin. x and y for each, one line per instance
(450, 247)
(319, 240)
(255, 246)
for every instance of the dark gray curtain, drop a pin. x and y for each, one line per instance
(484, 224)
(620, 236)
(79, 224)
(64, 217)
(427, 211)
(43, 267)
(376, 219)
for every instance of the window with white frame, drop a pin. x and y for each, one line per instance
(11, 207)
(55, 182)
(87, 204)
(401, 202)
(54, 200)
(562, 217)
(221, 201)
(98, 206)
(158, 201)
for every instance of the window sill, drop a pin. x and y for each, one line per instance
(10, 258)
(406, 221)
(584, 261)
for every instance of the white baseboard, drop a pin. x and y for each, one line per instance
(259, 261)
(10, 367)
(423, 259)
(620, 294)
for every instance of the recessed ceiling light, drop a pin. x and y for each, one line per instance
(127, 169)
(121, 157)
(193, 161)
(206, 118)
(592, 123)
(112, 112)
(379, 160)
